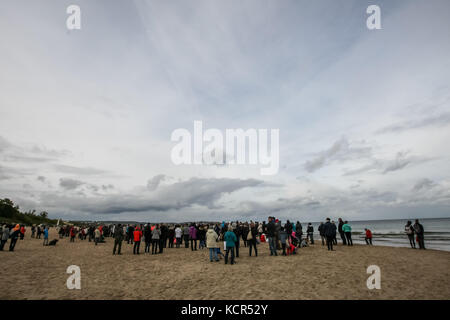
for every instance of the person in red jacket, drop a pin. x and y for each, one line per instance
(72, 234)
(368, 237)
(137, 235)
(22, 232)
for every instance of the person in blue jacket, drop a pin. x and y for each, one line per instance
(230, 239)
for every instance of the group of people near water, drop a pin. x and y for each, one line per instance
(287, 237)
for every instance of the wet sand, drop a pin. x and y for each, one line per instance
(33, 271)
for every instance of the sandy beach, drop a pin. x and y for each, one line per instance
(37, 272)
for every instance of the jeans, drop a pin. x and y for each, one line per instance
(348, 235)
(368, 240)
(283, 247)
(186, 241)
(252, 243)
(147, 245)
(237, 245)
(311, 238)
(45, 242)
(344, 241)
(330, 243)
(2, 244)
(12, 244)
(161, 245)
(232, 255)
(136, 246)
(117, 243)
(412, 242)
(178, 242)
(213, 252)
(272, 246)
(193, 241)
(155, 243)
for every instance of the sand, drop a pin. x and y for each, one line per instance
(37, 272)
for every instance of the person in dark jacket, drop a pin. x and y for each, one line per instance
(283, 239)
(419, 230)
(271, 235)
(148, 237)
(14, 236)
(341, 232)
(322, 233)
(186, 236)
(237, 231)
(330, 233)
(251, 239)
(118, 238)
(310, 233)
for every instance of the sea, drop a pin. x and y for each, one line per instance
(391, 232)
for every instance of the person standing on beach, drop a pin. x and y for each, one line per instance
(251, 239)
(368, 237)
(118, 238)
(419, 230)
(178, 235)
(348, 233)
(193, 236)
(186, 236)
(230, 240)
(72, 234)
(156, 233)
(409, 230)
(341, 232)
(45, 243)
(283, 239)
(310, 233)
(137, 236)
(330, 233)
(5, 236)
(211, 243)
(271, 236)
(148, 237)
(321, 232)
(97, 235)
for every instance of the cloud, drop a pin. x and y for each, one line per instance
(438, 120)
(70, 184)
(153, 183)
(78, 170)
(339, 151)
(41, 178)
(424, 184)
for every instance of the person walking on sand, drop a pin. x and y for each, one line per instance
(118, 238)
(341, 232)
(193, 237)
(5, 236)
(14, 236)
(156, 233)
(330, 233)
(45, 243)
(409, 230)
(251, 239)
(230, 240)
(419, 230)
(211, 243)
(178, 235)
(368, 237)
(137, 236)
(348, 233)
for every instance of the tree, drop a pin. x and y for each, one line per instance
(44, 214)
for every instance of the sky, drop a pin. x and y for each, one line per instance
(86, 116)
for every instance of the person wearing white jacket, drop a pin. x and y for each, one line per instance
(211, 243)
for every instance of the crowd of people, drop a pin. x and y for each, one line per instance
(286, 238)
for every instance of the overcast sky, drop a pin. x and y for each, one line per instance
(364, 115)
